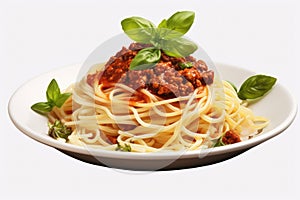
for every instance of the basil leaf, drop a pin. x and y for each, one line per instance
(163, 30)
(54, 98)
(179, 47)
(53, 91)
(61, 99)
(42, 107)
(256, 86)
(138, 29)
(146, 58)
(178, 24)
(163, 24)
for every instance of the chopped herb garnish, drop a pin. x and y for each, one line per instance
(230, 137)
(186, 65)
(219, 142)
(126, 147)
(145, 59)
(54, 98)
(59, 130)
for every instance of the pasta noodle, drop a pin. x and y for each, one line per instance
(100, 117)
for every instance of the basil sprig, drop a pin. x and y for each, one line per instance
(167, 37)
(54, 98)
(255, 87)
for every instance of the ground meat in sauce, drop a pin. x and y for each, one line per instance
(231, 137)
(166, 79)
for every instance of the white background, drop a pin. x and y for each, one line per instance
(39, 36)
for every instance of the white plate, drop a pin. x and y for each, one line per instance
(35, 126)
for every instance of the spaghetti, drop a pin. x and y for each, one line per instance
(106, 115)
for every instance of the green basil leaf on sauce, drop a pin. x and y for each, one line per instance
(179, 47)
(178, 24)
(256, 86)
(184, 65)
(139, 29)
(146, 58)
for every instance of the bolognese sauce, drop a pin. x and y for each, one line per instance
(167, 79)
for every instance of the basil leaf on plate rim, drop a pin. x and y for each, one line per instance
(256, 86)
(42, 107)
(54, 98)
(53, 91)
